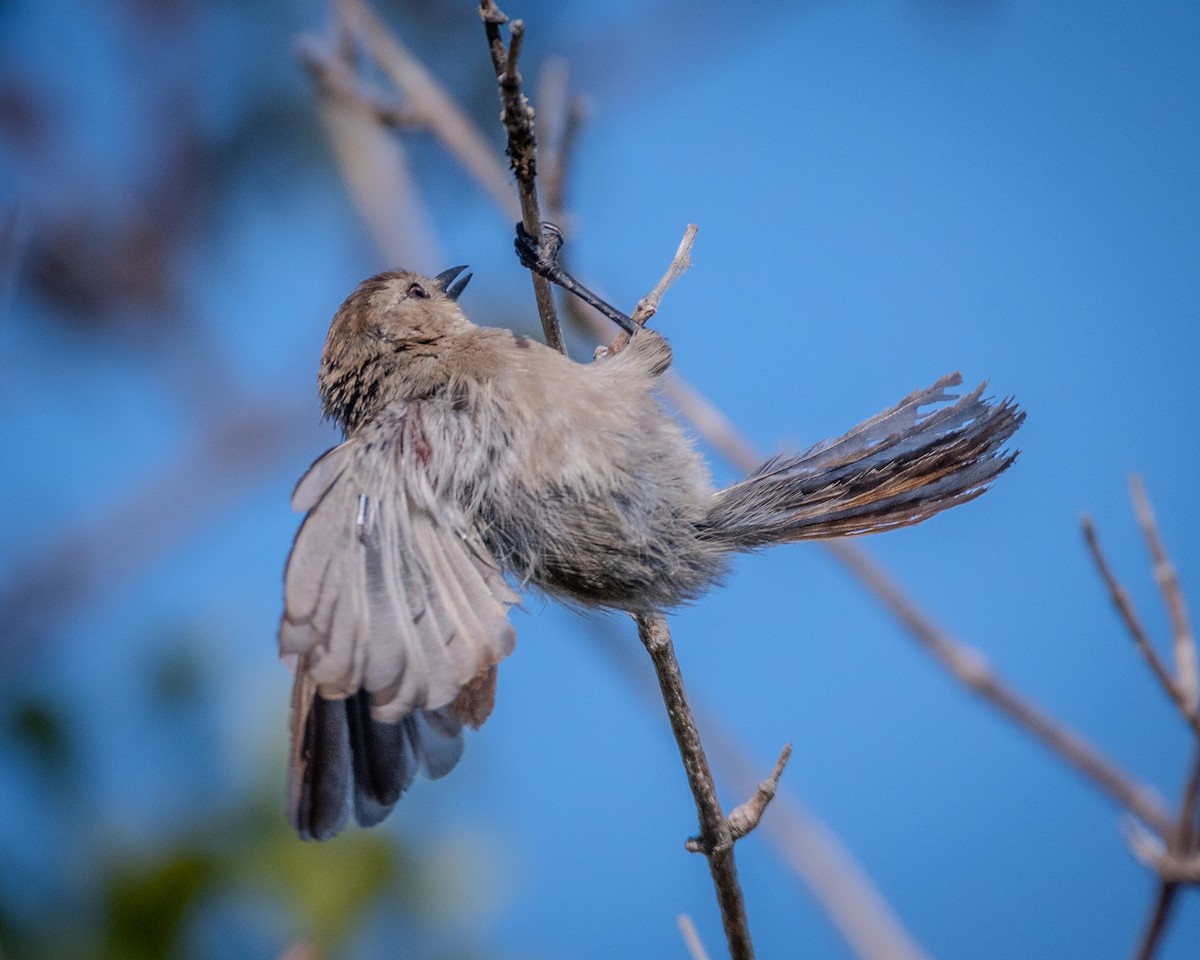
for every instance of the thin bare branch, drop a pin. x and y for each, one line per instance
(1124, 604)
(745, 817)
(691, 938)
(1173, 863)
(1187, 680)
(517, 116)
(425, 97)
(1160, 912)
(971, 669)
(716, 836)
(1177, 860)
(1152, 853)
(333, 78)
(559, 118)
(647, 307)
(806, 845)
(847, 894)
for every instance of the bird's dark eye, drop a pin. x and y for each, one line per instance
(418, 291)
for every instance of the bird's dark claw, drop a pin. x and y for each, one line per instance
(540, 254)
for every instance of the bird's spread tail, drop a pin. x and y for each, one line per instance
(895, 469)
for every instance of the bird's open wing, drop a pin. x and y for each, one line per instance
(395, 615)
(388, 588)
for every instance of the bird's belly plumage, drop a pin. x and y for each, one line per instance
(627, 535)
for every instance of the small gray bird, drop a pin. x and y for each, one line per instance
(472, 453)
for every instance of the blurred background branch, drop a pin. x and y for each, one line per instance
(176, 238)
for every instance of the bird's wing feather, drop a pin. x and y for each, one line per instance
(389, 588)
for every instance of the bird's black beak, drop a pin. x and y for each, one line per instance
(453, 289)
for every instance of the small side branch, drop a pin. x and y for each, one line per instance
(1151, 852)
(332, 77)
(517, 116)
(1174, 856)
(745, 817)
(1133, 623)
(716, 835)
(691, 938)
(647, 307)
(1187, 678)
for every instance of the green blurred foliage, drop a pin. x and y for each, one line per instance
(139, 904)
(34, 726)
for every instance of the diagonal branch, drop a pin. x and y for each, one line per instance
(426, 98)
(333, 78)
(970, 668)
(805, 844)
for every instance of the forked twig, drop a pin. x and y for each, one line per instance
(806, 845)
(332, 77)
(1152, 853)
(1133, 623)
(1174, 856)
(745, 816)
(1181, 861)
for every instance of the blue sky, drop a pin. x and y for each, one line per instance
(886, 191)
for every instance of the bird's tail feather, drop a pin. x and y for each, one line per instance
(897, 468)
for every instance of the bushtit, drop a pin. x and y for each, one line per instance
(472, 453)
